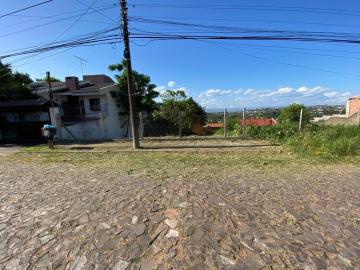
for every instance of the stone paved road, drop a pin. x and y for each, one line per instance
(68, 217)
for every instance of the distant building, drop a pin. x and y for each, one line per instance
(212, 127)
(87, 110)
(259, 122)
(353, 106)
(352, 116)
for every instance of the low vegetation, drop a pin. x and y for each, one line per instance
(321, 141)
(314, 140)
(328, 142)
(165, 159)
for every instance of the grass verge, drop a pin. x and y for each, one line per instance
(196, 164)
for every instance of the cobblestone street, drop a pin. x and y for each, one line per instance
(64, 216)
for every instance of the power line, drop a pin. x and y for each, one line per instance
(26, 8)
(227, 29)
(75, 14)
(164, 37)
(295, 48)
(39, 50)
(248, 33)
(79, 18)
(44, 25)
(97, 11)
(248, 20)
(274, 46)
(91, 34)
(285, 63)
(251, 7)
(287, 51)
(90, 39)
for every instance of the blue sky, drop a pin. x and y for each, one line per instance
(243, 74)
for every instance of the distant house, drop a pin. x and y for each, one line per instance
(87, 110)
(21, 121)
(259, 122)
(212, 127)
(352, 116)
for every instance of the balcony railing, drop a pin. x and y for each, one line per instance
(76, 114)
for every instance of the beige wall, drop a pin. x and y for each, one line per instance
(333, 121)
(353, 106)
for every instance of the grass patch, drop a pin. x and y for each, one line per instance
(195, 164)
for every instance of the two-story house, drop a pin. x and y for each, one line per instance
(86, 109)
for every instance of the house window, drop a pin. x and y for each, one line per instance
(95, 104)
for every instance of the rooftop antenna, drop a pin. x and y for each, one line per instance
(82, 62)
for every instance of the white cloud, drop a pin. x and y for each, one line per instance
(215, 92)
(283, 96)
(330, 94)
(312, 91)
(239, 91)
(302, 89)
(285, 90)
(171, 84)
(346, 94)
(278, 92)
(249, 92)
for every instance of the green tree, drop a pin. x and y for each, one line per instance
(291, 115)
(181, 110)
(144, 91)
(14, 85)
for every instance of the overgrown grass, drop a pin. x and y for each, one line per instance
(330, 142)
(317, 141)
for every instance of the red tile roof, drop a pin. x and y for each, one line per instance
(259, 122)
(215, 125)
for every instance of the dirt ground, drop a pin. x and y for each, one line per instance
(59, 212)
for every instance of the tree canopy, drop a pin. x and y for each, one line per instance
(14, 85)
(144, 90)
(291, 114)
(181, 110)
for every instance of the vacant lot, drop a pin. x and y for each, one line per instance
(198, 206)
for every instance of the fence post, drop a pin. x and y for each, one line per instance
(225, 124)
(358, 119)
(301, 120)
(243, 124)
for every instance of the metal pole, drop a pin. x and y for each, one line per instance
(243, 124)
(127, 56)
(225, 124)
(301, 120)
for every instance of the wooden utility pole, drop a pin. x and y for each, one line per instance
(51, 95)
(301, 120)
(225, 124)
(127, 56)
